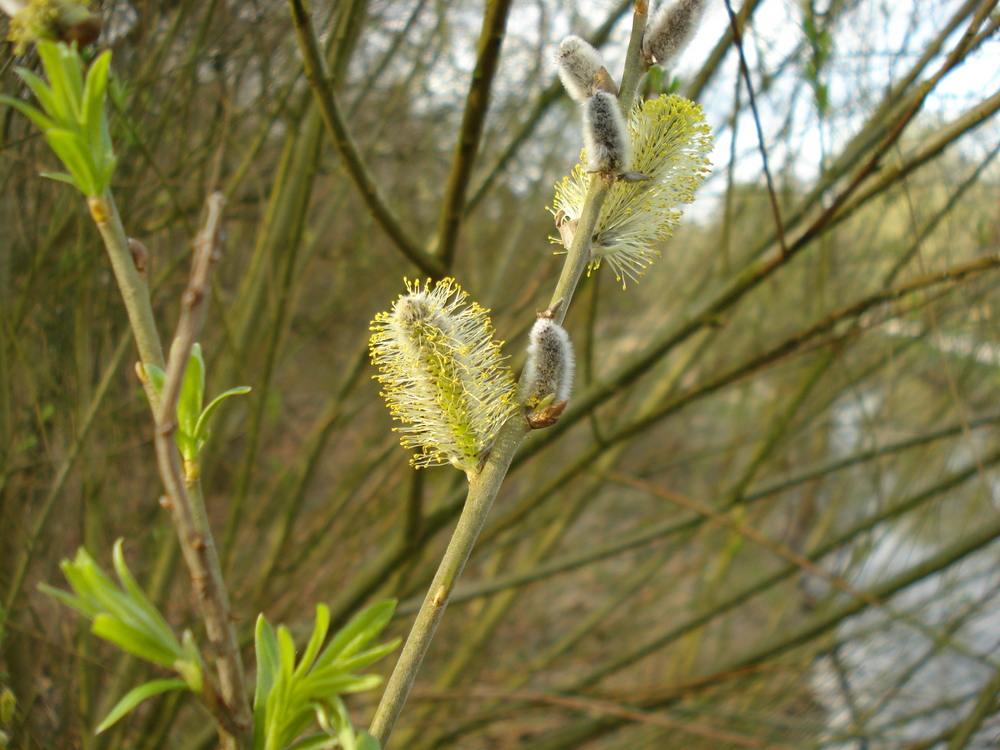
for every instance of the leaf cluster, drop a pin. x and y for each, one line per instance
(192, 419)
(72, 115)
(290, 695)
(124, 615)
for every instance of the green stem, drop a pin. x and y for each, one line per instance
(134, 291)
(482, 490)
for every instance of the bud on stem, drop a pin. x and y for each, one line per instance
(670, 31)
(548, 372)
(580, 68)
(606, 139)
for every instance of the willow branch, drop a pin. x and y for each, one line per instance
(485, 486)
(319, 81)
(471, 133)
(183, 498)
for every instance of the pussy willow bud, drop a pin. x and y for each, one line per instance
(670, 30)
(605, 137)
(580, 66)
(442, 375)
(548, 372)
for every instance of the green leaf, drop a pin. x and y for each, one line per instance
(189, 404)
(266, 647)
(314, 742)
(200, 428)
(41, 121)
(367, 742)
(107, 598)
(62, 66)
(94, 92)
(186, 445)
(336, 684)
(319, 634)
(191, 669)
(363, 659)
(298, 719)
(362, 628)
(73, 152)
(69, 600)
(43, 93)
(135, 641)
(62, 177)
(136, 696)
(129, 583)
(88, 582)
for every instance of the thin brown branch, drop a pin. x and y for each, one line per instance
(629, 373)
(183, 497)
(319, 81)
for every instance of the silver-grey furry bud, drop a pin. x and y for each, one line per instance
(670, 30)
(548, 372)
(579, 66)
(605, 136)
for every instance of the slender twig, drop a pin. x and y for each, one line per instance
(134, 291)
(183, 497)
(471, 132)
(737, 31)
(319, 81)
(698, 83)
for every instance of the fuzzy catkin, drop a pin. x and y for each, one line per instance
(671, 29)
(579, 66)
(549, 368)
(442, 375)
(605, 136)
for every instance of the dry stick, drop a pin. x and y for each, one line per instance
(713, 63)
(792, 345)
(183, 498)
(471, 132)
(319, 81)
(658, 641)
(784, 552)
(484, 487)
(635, 539)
